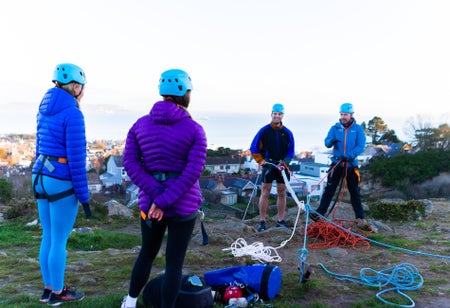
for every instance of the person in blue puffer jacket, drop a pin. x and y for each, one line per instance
(165, 153)
(348, 141)
(59, 176)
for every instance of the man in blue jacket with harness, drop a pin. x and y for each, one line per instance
(273, 149)
(348, 141)
(59, 176)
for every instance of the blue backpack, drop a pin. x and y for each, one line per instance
(264, 279)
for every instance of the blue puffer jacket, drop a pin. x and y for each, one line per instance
(349, 141)
(61, 133)
(167, 140)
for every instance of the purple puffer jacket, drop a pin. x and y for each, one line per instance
(167, 140)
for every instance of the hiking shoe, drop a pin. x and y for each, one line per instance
(282, 224)
(65, 296)
(124, 303)
(262, 226)
(45, 295)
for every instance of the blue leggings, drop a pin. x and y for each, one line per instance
(57, 220)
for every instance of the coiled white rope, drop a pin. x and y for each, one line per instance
(257, 251)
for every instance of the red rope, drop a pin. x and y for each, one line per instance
(327, 235)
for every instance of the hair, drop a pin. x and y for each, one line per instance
(69, 87)
(179, 100)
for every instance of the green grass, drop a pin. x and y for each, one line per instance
(396, 241)
(101, 263)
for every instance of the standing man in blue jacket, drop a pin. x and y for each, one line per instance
(273, 148)
(348, 141)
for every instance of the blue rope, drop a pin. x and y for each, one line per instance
(303, 253)
(403, 277)
(373, 241)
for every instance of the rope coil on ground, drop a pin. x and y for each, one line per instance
(403, 277)
(257, 251)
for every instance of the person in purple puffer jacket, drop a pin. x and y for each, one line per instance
(165, 153)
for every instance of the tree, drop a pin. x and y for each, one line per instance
(443, 137)
(375, 128)
(426, 137)
(389, 136)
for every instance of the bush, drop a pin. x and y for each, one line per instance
(5, 190)
(403, 171)
(25, 206)
(397, 211)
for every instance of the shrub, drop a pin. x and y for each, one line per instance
(397, 211)
(5, 190)
(25, 206)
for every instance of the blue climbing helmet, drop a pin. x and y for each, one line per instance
(346, 108)
(66, 73)
(278, 108)
(174, 82)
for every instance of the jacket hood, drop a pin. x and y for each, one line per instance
(165, 112)
(55, 100)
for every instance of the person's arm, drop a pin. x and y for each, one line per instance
(132, 161)
(360, 143)
(176, 188)
(75, 138)
(256, 148)
(331, 139)
(291, 148)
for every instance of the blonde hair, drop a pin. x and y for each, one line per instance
(69, 87)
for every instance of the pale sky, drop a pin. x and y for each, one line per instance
(390, 58)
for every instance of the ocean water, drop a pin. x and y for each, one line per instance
(229, 130)
(233, 131)
(236, 131)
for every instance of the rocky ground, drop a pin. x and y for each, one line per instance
(224, 227)
(433, 231)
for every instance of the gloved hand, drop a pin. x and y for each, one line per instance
(87, 210)
(345, 157)
(283, 166)
(334, 141)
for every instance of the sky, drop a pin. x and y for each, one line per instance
(390, 58)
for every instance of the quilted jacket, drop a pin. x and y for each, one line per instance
(61, 133)
(167, 140)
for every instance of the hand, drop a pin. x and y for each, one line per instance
(282, 166)
(345, 157)
(87, 210)
(334, 141)
(155, 212)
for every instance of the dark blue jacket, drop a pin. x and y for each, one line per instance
(61, 133)
(273, 143)
(350, 141)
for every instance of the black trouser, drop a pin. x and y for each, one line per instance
(179, 235)
(334, 178)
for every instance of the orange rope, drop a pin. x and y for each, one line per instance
(327, 235)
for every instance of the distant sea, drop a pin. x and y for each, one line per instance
(234, 131)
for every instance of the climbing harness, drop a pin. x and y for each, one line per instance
(46, 162)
